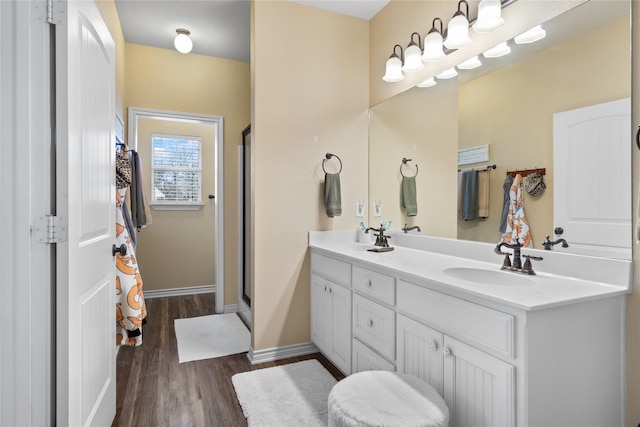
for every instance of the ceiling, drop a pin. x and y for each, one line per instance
(219, 28)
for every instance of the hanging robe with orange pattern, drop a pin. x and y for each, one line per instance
(130, 306)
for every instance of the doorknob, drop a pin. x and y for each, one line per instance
(122, 250)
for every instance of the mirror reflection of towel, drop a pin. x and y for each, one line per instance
(332, 195)
(469, 195)
(483, 194)
(408, 198)
(517, 224)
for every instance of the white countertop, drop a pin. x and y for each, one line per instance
(547, 288)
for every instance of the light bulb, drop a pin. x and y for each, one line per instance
(182, 42)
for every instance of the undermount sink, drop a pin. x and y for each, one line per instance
(488, 277)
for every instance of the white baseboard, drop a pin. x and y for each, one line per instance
(277, 353)
(158, 293)
(231, 308)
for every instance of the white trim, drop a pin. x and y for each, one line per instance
(277, 353)
(176, 206)
(134, 114)
(174, 292)
(231, 308)
(26, 308)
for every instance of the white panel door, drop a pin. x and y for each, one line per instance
(592, 179)
(85, 104)
(320, 313)
(340, 327)
(420, 352)
(478, 388)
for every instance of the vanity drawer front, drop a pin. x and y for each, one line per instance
(365, 359)
(374, 325)
(376, 285)
(472, 323)
(332, 269)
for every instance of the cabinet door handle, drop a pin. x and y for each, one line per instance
(325, 288)
(371, 323)
(433, 346)
(369, 283)
(446, 352)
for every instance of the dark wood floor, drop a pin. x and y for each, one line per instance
(153, 389)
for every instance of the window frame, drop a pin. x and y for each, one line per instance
(175, 204)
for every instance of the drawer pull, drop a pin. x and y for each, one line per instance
(433, 346)
(446, 352)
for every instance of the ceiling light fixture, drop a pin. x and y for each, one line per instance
(533, 35)
(413, 56)
(501, 49)
(458, 29)
(182, 42)
(433, 50)
(393, 71)
(470, 64)
(489, 16)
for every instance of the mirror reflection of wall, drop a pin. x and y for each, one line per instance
(511, 109)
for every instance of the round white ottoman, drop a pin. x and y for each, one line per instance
(381, 398)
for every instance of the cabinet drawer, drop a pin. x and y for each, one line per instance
(338, 271)
(365, 359)
(374, 325)
(477, 325)
(376, 285)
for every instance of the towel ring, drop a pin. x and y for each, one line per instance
(404, 162)
(327, 157)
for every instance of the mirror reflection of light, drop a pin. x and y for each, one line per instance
(501, 49)
(448, 74)
(531, 36)
(428, 83)
(470, 63)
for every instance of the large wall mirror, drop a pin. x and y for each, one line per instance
(514, 105)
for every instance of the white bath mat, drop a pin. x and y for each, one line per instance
(206, 337)
(293, 395)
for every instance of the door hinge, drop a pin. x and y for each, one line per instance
(53, 13)
(50, 229)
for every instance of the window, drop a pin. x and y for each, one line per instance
(176, 171)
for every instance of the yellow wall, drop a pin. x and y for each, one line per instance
(177, 248)
(109, 13)
(309, 80)
(163, 79)
(410, 125)
(558, 79)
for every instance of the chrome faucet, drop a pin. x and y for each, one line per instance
(548, 244)
(415, 227)
(381, 238)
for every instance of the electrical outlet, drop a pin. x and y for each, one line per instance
(377, 208)
(360, 209)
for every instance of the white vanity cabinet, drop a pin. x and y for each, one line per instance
(374, 334)
(496, 361)
(331, 310)
(463, 374)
